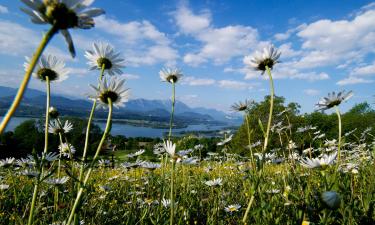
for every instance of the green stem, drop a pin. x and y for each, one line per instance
(80, 191)
(36, 188)
(89, 122)
(172, 112)
(58, 174)
(249, 138)
(272, 92)
(172, 192)
(34, 60)
(339, 144)
(248, 209)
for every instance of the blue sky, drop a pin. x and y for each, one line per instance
(326, 46)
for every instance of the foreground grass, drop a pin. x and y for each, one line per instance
(287, 194)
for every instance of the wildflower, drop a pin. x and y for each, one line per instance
(137, 153)
(331, 199)
(150, 165)
(242, 106)
(50, 156)
(62, 14)
(7, 162)
(104, 162)
(214, 182)
(23, 162)
(53, 113)
(261, 60)
(190, 161)
(166, 202)
(105, 56)
(185, 152)
(225, 141)
(29, 173)
(67, 149)
(170, 75)
(232, 208)
(317, 163)
(49, 66)
(333, 100)
(57, 181)
(56, 128)
(170, 148)
(112, 89)
(4, 186)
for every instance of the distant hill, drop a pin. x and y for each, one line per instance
(143, 109)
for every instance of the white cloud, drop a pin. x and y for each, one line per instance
(16, 40)
(232, 84)
(328, 42)
(190, 23)
(311, 92)
(368, 70)
(193, 81)
(3, 9)
(217, 44)
(142, 42)
(353, 80)
(128, 76)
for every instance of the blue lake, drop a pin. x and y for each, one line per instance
(129, 130)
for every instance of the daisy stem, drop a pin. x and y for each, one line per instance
(91, 166)
(172, 112)
(339, 144)
(58, 173)
(88, 132)
(36, 188)
(34, 60)
(172, 192)
(272, 92)
(249, 137)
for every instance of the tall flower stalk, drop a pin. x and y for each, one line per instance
(264, 62)
(171, 76)
(109, 93)
(170, 148)
(331, 101)
(49, 69)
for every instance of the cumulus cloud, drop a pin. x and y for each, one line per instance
(143, 43)
(368, 70)
(193, 81)
(311, 92)
(233, 84)
(217, 44)
(353, 80)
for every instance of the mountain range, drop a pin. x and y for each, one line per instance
(33, 104)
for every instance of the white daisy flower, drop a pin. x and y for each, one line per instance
(242, 106)
(66, 149)
(232, 208)
(324, 161)
(49, 66)
(7, 162)
(214, 182)
(137, 153)
(104, 162)
(331, 199)
(260, 60)
(113, 89)
(150, 165)
(57, 181)
(104, 55)
(225, 141)
(333, 100)
(4, 186)
(63, 14)
(56, 128)
(51, 156)
(170, 148)
(170, 75)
